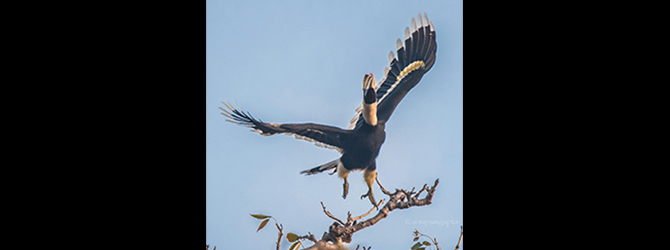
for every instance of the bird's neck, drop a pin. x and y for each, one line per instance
(370, 113)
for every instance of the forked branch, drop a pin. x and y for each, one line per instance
(340, 231)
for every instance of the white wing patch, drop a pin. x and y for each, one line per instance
(411, 67)
(276, 125)
(423, 22)
(297, 136)
(318, 143)
(245, 119)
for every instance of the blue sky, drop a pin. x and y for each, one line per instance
(304, 61)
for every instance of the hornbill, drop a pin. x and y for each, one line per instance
(361, 142)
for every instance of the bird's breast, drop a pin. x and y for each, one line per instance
(364, 146)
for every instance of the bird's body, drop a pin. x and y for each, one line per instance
(363, 147)
(361, 142)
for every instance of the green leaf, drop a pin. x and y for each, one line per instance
(416, 246)
(415, 239)
(295, 246)
(426, 243)
(421, 248)
(291, 237)
(262, 225)
(260, 216)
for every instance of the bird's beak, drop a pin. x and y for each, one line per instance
(369, 81)
(372, 80)
(365, 82)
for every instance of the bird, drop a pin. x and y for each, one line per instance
(360, 144)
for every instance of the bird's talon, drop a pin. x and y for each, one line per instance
(372, 199)
(345, 190)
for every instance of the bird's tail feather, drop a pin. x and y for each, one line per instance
(324, 167)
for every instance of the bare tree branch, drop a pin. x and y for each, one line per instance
(309, 236)
(459, 239)
(342, 232)
(386, 192)
(424, 188)
(349, 220)
(396, 201)
(330, 215)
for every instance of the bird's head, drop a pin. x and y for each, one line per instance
(369, 89)
(369, 99)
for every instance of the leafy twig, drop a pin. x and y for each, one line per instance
(419, 245)
(265, 219)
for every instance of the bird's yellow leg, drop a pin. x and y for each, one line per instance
(343, 173)
(345, 188)
(370, 177)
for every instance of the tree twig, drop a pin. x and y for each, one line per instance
(281, 233)
(309, 236)
(459, 239)
(424, 188)
(386, 192)
(349, 220)
(330, 215)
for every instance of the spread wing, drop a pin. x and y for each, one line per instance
(321, 135)
(415, 57)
